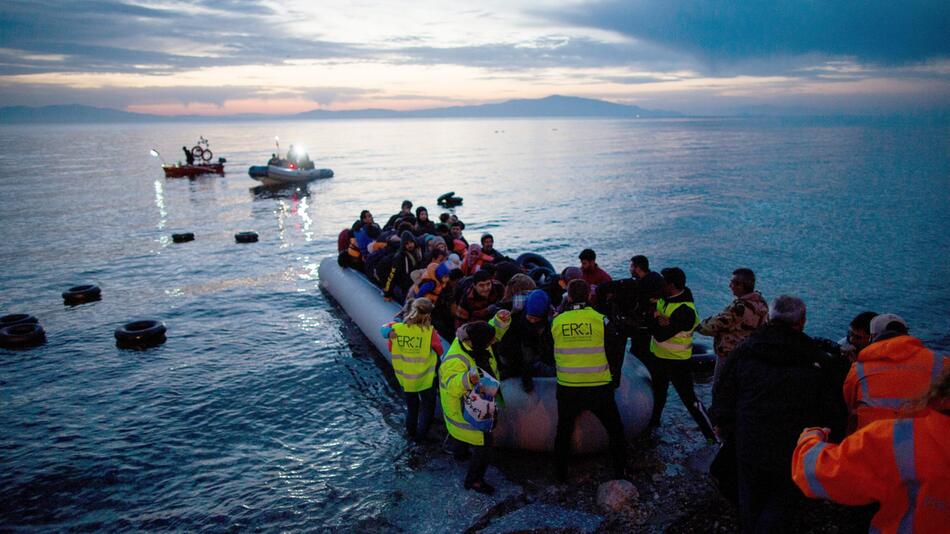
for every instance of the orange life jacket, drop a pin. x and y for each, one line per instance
(903, 464)
(887, 375)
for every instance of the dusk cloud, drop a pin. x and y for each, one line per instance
(716, 32)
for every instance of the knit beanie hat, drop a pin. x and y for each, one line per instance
(537, 304)
(407, 237)
(480, 334)
(442, 270)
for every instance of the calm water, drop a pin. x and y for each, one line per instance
(264, 409)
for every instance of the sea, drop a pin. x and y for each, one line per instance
(266, 409)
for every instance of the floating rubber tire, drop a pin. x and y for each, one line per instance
(17, 318)
(22, 335)
(542, 276)
(702, 360)
(183, 238)
(246, 237)
(451, 202)
(442, 198)
(82, 294)
(530, 260)
(140, 334)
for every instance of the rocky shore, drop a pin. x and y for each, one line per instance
(670, 492)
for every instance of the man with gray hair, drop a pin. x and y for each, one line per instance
(770, 388)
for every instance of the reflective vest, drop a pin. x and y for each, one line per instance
(680, 346)
(579, 348)
(454, 384)
(887, 375)
(413, 359)
(903, 464)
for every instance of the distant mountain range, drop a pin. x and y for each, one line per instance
(552, 106)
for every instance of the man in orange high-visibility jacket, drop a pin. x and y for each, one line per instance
(890, 372)
(903, 464)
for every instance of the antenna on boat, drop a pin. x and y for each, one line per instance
(277, 141)
(155, 154)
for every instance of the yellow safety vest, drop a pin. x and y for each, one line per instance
(413, 359)
(454, 384)
(680, 346)
(579, 348)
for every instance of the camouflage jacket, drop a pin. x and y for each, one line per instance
(733, 324)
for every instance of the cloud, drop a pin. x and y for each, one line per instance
(719, 33)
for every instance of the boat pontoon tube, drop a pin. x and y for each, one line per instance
(527, 421)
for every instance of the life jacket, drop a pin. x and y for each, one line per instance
(579, 353)
(902, 464)
(680, 346)
(887, 375)
(412, 357)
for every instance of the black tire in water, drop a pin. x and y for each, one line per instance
(183, 238)
(246, 237)
(542, 276)
(140, 334)
(17, 318)
(82, 294)
(530, 260)
(22, 335)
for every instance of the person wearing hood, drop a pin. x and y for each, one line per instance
(527, 350)
(747, 312)
(474, 259)
(892, 371)
(415, 349)
(423, 224)
(771, 387)
(467, 365)
(398, 280)
(672, 347)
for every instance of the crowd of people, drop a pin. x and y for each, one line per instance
(796, 416)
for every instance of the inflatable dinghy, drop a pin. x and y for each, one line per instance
(527, 421)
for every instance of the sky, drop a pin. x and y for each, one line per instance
(262, 56)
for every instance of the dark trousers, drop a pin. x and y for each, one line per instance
(420, 409)
(599, 400)
(481, 455)
(664, 371)
(767, 499)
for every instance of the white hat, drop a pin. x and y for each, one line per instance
(880, 324)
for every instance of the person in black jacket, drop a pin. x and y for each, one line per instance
(408, 259)
(772, 387)
(527, 350)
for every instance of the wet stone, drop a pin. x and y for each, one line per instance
(615, 495)
(435, 501)
(539, 516)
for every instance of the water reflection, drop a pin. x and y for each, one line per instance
(265, 192)
(160, 203)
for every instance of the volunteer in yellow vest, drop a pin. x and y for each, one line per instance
(588, 363)
(465, 363)
(672, 346)
(415, 348)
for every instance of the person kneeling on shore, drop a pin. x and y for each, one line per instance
(415, 348)
(467, 387)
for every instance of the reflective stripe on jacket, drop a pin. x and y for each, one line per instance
(454, 384)
(579, 348)
(887, 375)
(680, 346)
(903, 464)
(413, 359)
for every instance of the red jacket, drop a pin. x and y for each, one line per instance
(888, 374)
(903, 464)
